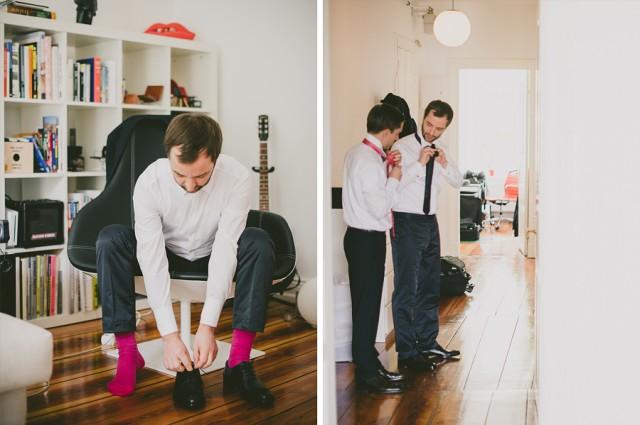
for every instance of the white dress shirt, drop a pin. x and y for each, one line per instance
(411, 191)
(192, 226)
(367, 193)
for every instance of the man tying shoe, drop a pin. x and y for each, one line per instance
(190, 212)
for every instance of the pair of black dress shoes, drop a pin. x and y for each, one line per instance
(383, 382)
(188, 392)
(428, 360)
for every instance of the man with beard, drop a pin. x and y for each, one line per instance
(416, 245)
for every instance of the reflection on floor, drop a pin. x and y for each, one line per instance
(493, 383)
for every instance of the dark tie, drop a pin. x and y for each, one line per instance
(428, 178)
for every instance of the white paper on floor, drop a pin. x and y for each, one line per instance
(152, 351)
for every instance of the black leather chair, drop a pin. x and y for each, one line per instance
(131, 147)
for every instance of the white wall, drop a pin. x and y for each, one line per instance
(267, 65)
(487, 146)
(501, 31)
(588, 286)
(267, 54)
(363, 40)
(363, 60)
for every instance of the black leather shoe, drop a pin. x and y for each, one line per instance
(243, 379)
(439, 351)
(188, 391)
(418, 363)
(390, 376)
(379, 385)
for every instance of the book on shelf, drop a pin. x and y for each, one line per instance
(94, 80)
(77, 200)
(32, 67)
(33, 284)
(32, 287)
(30, 9)
(46, 146)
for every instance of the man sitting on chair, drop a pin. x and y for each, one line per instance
(190, 214)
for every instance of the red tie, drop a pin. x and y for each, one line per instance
(389, 166)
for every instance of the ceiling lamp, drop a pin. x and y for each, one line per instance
(452, 27)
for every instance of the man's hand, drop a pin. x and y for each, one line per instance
(394, 157)
(442, 158)
(396, 172)
(176, 356)
(425, 155)
(205, 348)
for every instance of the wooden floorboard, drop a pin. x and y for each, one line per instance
(493, 382)
(78, 394)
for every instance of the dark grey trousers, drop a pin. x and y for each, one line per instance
(117, 266)
(416, 293)
(365, 252)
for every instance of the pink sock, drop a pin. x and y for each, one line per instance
(241, 343)
(129, 359)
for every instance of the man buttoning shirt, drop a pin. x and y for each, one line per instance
(416, 245)
(190, 213)
(371, 180)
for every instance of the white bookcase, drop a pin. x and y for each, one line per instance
(140, 60)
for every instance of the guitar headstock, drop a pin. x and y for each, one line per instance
(263, 127)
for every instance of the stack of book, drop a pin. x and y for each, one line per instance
(94, 80)
(31, 9)
(46, 147)
(32, 67)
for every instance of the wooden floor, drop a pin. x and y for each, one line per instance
(78, 394)
(493, 383)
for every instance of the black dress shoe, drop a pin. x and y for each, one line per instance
(243, 379)
(379, 385)
(418, 363)
(390, 376)
(188, 392)
(439, 351)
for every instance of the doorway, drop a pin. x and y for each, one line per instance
(493, 134)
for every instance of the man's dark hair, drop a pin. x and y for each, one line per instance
(194, 132)
(440, 109)
(384, 117)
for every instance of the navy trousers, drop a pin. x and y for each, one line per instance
(416, 294)
(117, 266)
(365, 252)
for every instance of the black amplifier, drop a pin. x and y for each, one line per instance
(40, 222)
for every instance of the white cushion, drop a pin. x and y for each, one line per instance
(26, 354)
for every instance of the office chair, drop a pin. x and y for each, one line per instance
(133, 145)
(510, 194)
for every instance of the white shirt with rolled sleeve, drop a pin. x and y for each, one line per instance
(411, 191)
(192, 226)
(367, 195)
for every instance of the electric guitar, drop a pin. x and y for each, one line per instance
(263, 169)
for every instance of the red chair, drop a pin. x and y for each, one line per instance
(511, 183)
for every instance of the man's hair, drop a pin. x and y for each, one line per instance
(440, 109)
(384, 117)
(194, 132)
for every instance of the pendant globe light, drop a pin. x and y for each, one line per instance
(452, 27)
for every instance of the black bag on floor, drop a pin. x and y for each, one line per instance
(454, 279)
(469, 231)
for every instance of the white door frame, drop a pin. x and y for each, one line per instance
(527, 217)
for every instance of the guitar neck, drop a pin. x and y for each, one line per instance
(264, 177)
